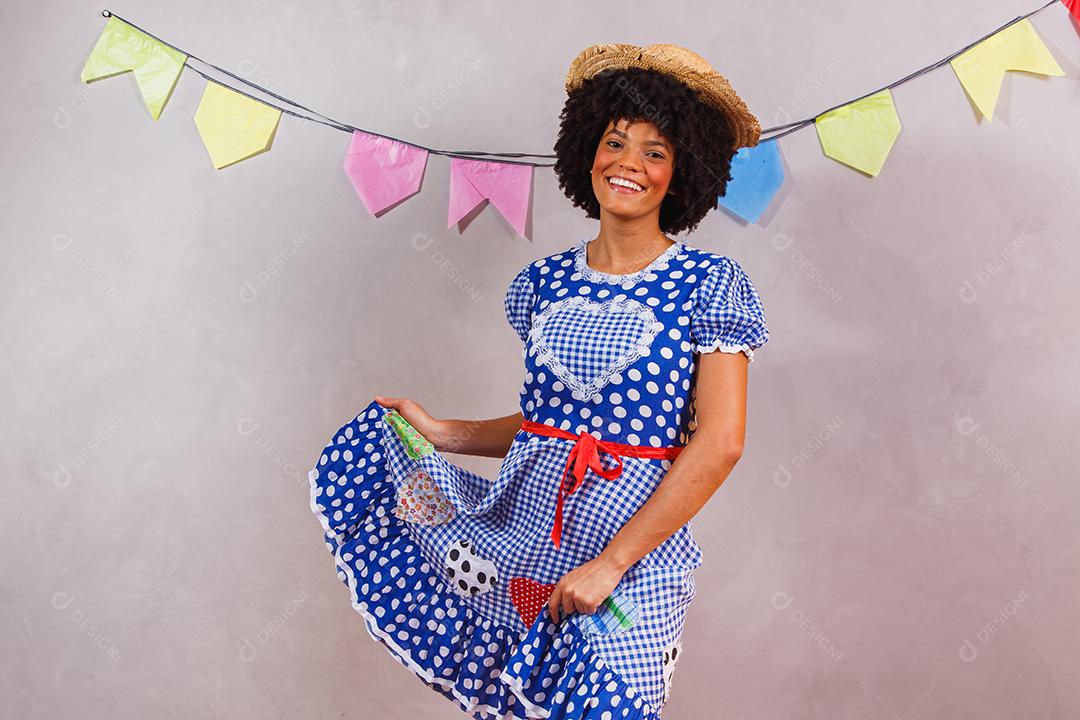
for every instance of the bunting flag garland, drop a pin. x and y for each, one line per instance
(121, 48)
(386, 171)
(982, 68)
(383, 171)
(861, 133)
(234, 127)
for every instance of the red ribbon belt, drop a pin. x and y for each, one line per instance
(585, 454)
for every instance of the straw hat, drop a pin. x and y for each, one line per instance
(685, 66)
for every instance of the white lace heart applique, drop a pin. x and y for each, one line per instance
(586, 343)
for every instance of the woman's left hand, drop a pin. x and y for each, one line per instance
(584, 588)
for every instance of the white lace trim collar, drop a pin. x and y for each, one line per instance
(582, 266)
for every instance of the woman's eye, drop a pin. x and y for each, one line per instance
(654, 153)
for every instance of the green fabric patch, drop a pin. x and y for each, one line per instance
(622, 617)
(616, 613)
(416, 445)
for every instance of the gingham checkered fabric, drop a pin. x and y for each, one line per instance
(612, 355)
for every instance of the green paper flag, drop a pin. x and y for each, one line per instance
(156, 66)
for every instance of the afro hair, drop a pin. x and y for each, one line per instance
(702, 137)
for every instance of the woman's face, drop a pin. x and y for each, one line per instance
(639, 153)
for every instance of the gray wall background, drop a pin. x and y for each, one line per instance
(898, 542)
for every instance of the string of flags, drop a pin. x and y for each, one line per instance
(385, 171)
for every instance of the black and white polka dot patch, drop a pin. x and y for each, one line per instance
(468, 573)
(671, 656)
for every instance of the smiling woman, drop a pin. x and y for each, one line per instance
(607, 119)
(560, 588)
(633, 159)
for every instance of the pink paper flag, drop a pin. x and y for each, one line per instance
(506, 185)
(383, 171)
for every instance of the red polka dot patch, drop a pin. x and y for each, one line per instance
(529, 597)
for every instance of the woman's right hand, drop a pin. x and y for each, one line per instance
(433, 429)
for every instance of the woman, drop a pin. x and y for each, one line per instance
(560, 588)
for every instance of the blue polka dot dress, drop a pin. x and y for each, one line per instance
(451, 571)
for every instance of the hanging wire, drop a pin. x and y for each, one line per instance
(345, 127)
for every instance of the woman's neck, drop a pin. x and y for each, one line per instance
(623, 251)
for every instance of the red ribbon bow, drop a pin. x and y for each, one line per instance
(585, 455)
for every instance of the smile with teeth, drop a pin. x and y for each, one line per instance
(623, 185)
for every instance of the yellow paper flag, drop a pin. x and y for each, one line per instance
(860, 134)
(234, 127)
(1017, 47)
(156, 66)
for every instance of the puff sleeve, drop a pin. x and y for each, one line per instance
(727, 314)
(520, 301)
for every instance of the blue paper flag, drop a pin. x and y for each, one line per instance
(756, 175)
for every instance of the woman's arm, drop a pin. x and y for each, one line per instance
(694, 476)
(488, 438)
(701, 467)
